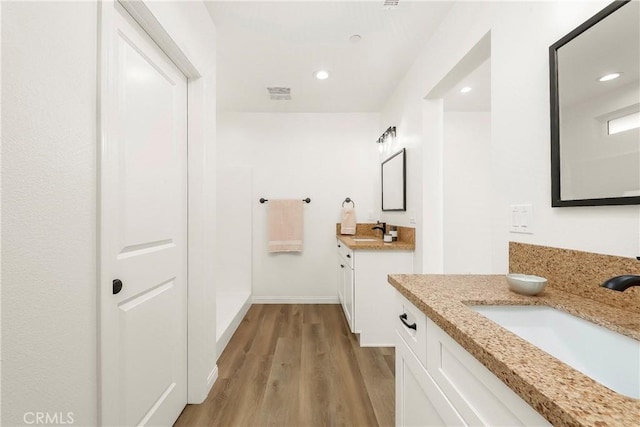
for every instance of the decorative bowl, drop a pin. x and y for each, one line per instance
(526, 284)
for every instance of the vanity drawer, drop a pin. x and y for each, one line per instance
(412, 327)
(346, 253)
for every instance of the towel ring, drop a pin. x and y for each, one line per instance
(348, 200)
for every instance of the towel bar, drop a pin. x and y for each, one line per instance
(263, 200)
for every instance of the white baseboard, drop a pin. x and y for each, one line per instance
(295, 300)
(224, 339)
(212, 378)
(377, 345)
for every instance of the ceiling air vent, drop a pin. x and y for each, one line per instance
(279, 93)
(390, 4)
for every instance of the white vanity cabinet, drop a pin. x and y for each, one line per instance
(439, 383)
(366, 297)
(419, 401)
(345, 282)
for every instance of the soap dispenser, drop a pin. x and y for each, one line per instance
(393, 230)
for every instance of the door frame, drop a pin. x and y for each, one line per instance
(186, 34)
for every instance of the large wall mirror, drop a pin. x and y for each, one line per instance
(394, 178)
(595, 110)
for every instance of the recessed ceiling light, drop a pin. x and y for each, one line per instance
(355, 38)
(321, 74)
(465, 89)
(610, 76)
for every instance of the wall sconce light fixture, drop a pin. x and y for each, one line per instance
(389, 133)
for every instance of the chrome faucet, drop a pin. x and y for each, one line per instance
(382, 226)
(620, 283)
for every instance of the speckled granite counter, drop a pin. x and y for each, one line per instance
(561, 394)
(406, 239)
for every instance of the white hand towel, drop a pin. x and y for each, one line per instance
(285, 225)
(348, 224)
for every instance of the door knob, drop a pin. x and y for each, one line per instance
(117, 286)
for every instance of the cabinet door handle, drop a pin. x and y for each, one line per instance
(403, 319)
(341, 265)
(339, 246)
(348, 256)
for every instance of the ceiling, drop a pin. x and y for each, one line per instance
(282, 43)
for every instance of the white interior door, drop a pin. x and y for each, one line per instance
(143, 195)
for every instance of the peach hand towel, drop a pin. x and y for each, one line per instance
(285, 225)
(348, 224)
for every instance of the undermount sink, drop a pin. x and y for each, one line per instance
(610, 358)
(363, 239)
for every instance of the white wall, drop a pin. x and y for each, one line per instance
(49, 209)
(521, 33)
(49, 117)
(467, 193)
(326, 157)
(233, 243)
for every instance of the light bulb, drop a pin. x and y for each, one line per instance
(610, 76)
(322, 74)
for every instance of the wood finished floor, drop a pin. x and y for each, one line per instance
(298, 365)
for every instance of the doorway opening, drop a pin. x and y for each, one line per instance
(458, 195)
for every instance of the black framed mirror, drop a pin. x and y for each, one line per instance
(595, 110)
(394, 182)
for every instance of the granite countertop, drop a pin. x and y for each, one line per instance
(564, 396)
(376, 245)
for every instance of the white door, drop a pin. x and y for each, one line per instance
(143, 196)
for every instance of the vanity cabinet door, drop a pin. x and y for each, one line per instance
(349, 298)
(340, 275)
(419, 401)
(346, 289)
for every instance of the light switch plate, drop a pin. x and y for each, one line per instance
(515, 219)
(521, 219)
